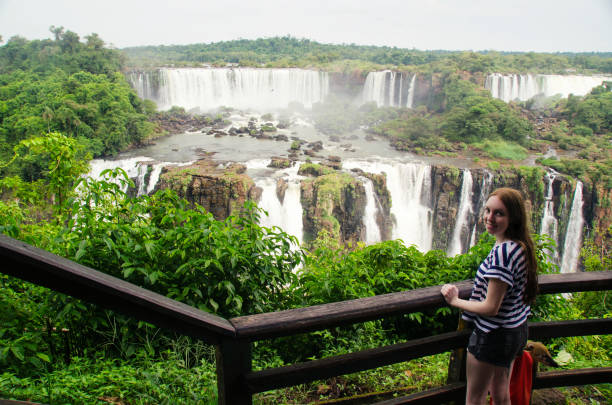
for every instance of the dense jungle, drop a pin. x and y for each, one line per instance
(199, 235)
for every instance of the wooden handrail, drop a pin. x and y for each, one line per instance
(46, 269)
(289, 322)
(293, 321)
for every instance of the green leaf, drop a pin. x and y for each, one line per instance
(150, 248)
(81, 251)
(213, 304)
(18, 352)
(44, 357)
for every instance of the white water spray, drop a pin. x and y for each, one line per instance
(485, 190)
(242, 88)
(381, 88)
(523, 87)
(549, 225)
(462, 221)
(285, 214)
(573, 235)
(369, 216)
(407, 183)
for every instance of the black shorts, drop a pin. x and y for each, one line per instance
(500, 346)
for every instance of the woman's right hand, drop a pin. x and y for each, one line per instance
(450, 293)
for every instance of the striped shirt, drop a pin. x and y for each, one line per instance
(506, 262)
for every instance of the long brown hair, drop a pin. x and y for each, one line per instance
(519, 231)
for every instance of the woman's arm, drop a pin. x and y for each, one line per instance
(489, 307)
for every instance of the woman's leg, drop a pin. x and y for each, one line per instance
(479, 376)
(500, 385)
(483, 378)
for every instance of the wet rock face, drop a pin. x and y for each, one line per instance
(334, 202)
(383, 199)
(221, 191)
(445, 197)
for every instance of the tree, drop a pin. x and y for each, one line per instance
(62, 159)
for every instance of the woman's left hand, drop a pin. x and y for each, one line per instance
(450, 293)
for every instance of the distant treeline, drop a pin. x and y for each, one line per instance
(289, 51)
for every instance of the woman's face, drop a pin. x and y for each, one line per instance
(496, 218)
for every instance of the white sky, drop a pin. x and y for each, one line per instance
(508, 25)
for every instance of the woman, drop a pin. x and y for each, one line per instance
(505, 285)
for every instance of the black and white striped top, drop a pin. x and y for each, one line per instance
(505, 262)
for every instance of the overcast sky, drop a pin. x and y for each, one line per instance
(508, 25)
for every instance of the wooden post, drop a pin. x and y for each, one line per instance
(456, 365)
(233, 357)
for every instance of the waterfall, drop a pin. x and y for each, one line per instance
(374, 87)
(485, 190)
(154, 178)
(413, 219)
(287, 215)
(410, 98)
(242, 88)
(136, 168)
(573, 236)
(409, 185)
(549, 225)
(369, 216)
(523, 87)
(462, 221)
(387, 88)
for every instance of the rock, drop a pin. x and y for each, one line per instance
(221, 191)
(280, 162)
(310, 152)
(281, 188)
(316, 146)
(281, 137)
(334, 202)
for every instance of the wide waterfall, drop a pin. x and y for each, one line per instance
(573, 238)
(242, 88)
(461, 234)
(524, 87)
(388, 88)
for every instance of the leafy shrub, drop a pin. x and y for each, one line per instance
(231, 267)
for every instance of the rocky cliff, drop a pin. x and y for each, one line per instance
(222, 191)
(334, 201)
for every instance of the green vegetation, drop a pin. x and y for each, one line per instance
(70, 87)
(471, 118)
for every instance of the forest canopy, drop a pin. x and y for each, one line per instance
(68, 86)
(289, 51)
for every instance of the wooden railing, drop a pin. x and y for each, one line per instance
(237, 382)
